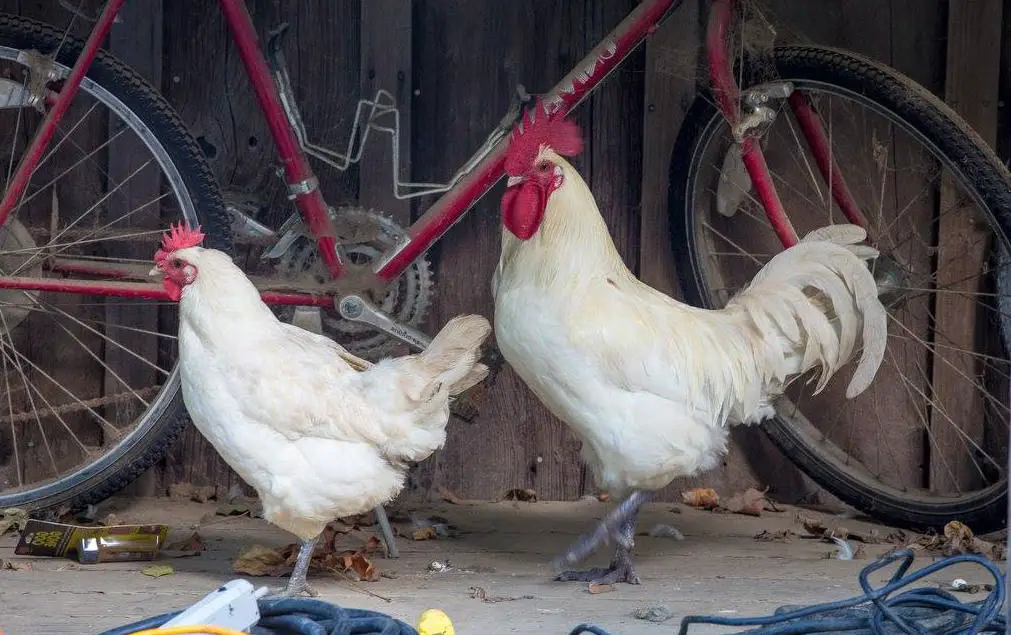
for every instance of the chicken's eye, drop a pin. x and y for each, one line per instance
(543, 166)
(177, 263)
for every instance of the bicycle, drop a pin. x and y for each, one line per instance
(354, 274)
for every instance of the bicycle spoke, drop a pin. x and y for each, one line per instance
(108, 339)
(894, 180)
(13, 424)
(58, 177)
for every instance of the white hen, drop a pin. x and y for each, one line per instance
(316, 438)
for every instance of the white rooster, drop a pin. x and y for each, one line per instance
(315, 437)
(648, 384)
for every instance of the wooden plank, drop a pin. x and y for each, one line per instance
(616, 137)
(514, 442)
(197, 38)
(971, 88)
(137, 42)
(672, 55)
(386, 64)
(206, 82)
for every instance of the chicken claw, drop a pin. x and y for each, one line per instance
(297, 590)
(297, 584)
(617, 525)
(621, 570)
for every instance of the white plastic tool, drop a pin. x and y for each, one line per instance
(232, 605)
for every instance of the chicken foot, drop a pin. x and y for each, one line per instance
(620, 570)
(617, 525)
(297, 584)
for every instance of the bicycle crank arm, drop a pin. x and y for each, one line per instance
(357, 309)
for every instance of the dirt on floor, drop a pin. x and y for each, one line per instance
(492, 570)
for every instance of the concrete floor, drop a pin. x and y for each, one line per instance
(504, 548)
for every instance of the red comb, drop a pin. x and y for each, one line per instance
(535, 130)
(179, 236)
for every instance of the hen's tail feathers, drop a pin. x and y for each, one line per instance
(453, 353)
(816, 295)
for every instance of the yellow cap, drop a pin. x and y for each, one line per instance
(435, 622)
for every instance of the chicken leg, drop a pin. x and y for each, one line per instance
(619, 525)
(297, 584)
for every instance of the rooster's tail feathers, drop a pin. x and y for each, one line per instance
(823, 326)
(453, 353)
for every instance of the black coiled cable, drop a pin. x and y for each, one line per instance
(299, 616)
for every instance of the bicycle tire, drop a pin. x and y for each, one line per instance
(981, 172)
(137, 452)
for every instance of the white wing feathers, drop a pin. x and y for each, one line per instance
(400, 405)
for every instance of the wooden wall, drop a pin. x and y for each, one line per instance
(453, 65)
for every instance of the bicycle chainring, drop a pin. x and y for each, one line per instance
(407, 298)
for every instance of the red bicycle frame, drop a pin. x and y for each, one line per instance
(470, 188)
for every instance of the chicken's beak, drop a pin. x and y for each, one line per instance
(155, 271)
(514, 180)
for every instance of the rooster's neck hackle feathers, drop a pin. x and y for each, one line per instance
(573, 240)
(536, 130)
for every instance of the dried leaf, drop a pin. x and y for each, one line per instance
(425, 533)
(12, 517)
(327, 544)
(479, 593)
(193, 543)
(783, 535)
(959, 535)
(597, 589)
(195, 493)
(367, 519)
(959, 538)
(750, 502)
(373, 543)
(813, 526)
(353, 562)
(603, 497)
(15, 565)
(704, 497)
(448, 496)
(522, 495)
(817, 528)
(158, 570)
(258, 561)
(870, 537)
(110, 519)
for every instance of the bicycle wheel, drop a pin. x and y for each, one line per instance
(927, 443)
(89, 396)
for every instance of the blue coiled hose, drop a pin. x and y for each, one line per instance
(920, 611)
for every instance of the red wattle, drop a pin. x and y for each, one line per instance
(172, 288)
(523, 209)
